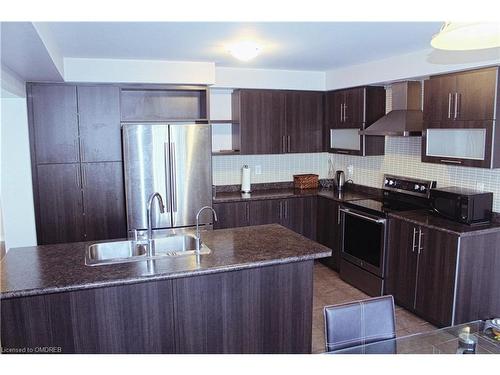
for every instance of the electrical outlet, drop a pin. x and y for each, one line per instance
(258, 169)
(480, 186)
(350, 171)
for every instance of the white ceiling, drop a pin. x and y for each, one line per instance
(296, 46)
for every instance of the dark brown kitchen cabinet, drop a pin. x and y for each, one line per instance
(464, 96)
(54, 117)
(328, 230)
(266, 212)
(104, 200)
(421, 270)
(347, 112)
(231, 215)
(304, 121)
(60, 205)
(276, 121)
(299, 214)
(259, 117)
(99, 123)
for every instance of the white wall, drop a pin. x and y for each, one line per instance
(269, 79)
(15, 183)
(412, 65)
(138, 71)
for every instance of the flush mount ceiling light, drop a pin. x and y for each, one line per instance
(462, 36)
(245, 50)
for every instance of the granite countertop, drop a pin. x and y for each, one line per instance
(58, 268)
(285, 193)
(428, 219)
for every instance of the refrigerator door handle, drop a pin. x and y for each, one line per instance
(167, 182)
(174, 177)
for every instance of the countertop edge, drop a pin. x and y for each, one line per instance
(166, 276)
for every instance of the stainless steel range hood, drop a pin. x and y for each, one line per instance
(406, 117)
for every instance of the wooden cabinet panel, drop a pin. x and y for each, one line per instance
(333, 108)
(99, 121)
(300, 216)
(265, 212)
(231, 215)
(304, 125)
(261, 115)
(476, 95)
(238, 312)
(354, 106)
(104, 200)
(436, 276)
(328, 230)
(60, 204)
(439, 98)
(402, 262)
(55, 123)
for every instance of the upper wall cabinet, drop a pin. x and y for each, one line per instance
(100, 128)
(460, 119)
(175, 104)
(276, 121)
(54, 116)
(351, 110)
(466, 96)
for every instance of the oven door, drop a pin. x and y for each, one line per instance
(363, 240)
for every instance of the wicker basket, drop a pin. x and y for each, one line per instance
(305, 181)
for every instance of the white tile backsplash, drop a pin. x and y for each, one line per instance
(275, 168)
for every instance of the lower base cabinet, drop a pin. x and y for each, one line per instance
(328, 230)
(256, 310)
(443, 277)
(298, 214)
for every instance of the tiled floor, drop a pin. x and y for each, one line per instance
(329, 289)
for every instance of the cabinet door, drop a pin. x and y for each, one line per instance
(328, 230)
(55, 123)
(100, 130)
(104, 200)
(60, 204)
(300, 216)
(262, 122)
(354, 106)
(334, 101)
(439, 98)
(231, 215)
(475, 98)
(304, 121)
(436, 276)
(265, 212)
(402, 262)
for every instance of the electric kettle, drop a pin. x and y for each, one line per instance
(339, 180)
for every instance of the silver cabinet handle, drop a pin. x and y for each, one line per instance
(345, 112)
(167, 183)
(456, 106)
(349, 212)
(449, 105)
(283, 147)
(77, 177)
(84, 175)
(420, 234)
(414, 237)
(174, 177)
(288, 143)
(342, 152)
(451, 161)
(341, 111)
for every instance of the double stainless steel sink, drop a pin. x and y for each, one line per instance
(134, 251)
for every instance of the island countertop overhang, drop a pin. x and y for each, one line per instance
(60, 268)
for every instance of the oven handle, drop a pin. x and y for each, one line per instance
(349, 212)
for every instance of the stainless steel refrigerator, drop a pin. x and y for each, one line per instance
(174, 160)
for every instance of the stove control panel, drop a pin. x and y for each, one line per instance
(408, 185)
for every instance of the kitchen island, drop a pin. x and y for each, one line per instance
(252, 294)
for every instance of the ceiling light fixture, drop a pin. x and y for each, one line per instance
(245, 50)
(462, 36)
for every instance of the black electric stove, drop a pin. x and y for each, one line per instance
(364, 230)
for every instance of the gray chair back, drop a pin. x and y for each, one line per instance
(361, 322)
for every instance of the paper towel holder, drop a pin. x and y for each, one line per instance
(245, 179)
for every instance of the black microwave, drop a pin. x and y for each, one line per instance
(463, 205)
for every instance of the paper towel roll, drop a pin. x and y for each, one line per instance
(245, 179)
